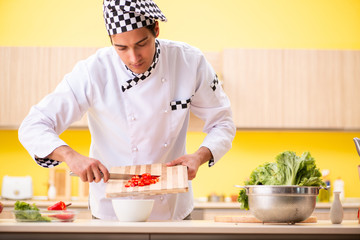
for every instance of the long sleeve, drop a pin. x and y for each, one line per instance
(211, 104)
(40, 130)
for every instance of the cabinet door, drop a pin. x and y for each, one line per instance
(305, 89)
(351, 89)
(27, 74)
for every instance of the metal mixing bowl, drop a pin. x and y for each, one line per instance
(281, 204)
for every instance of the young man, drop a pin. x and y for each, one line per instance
(138, 95)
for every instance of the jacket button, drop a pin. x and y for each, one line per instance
(135, 149)
(163, 80)
(165, 145)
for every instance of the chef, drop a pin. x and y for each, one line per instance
(137, 95)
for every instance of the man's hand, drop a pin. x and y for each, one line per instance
(193, 161)
(88, 169)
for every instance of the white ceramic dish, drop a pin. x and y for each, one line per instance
(132, 210)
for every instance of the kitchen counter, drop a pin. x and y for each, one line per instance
(202, 210)
(198, 205)
(195, 229)
(45, 204)
(209, 210)
(236, 205)
(81, 206)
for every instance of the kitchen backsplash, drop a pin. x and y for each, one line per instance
(332, 150)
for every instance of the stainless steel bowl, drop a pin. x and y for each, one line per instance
(281, 204)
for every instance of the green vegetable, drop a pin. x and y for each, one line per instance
(288, 169)
(25, 206)
(25, 211)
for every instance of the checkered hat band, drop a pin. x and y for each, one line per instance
(177, 105)
(126, 15)
(137, 77)
(144, 7)
(126, 22)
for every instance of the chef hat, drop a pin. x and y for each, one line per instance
(126, 15)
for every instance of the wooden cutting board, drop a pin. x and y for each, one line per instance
(251, 219)
(172, 180)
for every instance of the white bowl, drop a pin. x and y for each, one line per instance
(132, 210)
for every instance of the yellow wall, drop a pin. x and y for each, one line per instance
(211, 26)
(208, 24)
(332, 150)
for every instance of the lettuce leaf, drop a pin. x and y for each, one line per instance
(25, 211)
(289, 169)
(25, 206)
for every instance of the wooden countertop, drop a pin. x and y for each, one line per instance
(235, 205)
(198, 205)
(45, 204)
(178, 227)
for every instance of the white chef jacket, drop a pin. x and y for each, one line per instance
(137, 126)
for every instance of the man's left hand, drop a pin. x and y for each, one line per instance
(193, 161)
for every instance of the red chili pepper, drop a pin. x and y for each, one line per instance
(58, 206)
(142, 180)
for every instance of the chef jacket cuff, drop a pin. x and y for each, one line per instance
(44, 150)
(211, 162)
(216, 151)
(42, 159)
(46, 162)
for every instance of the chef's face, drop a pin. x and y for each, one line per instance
(136, 48)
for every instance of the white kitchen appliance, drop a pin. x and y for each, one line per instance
(17, 188)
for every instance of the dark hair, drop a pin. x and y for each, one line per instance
(150, 27)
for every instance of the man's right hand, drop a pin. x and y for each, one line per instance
(88, 169)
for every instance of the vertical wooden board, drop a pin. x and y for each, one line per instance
(5, 83)
(22, 72)
(351, 89)
(311, 89)
(61, 179)
(254, 86)
(28, 74)
(312, 84)
(83, 190)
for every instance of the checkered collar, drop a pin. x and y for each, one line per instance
(142, 76)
